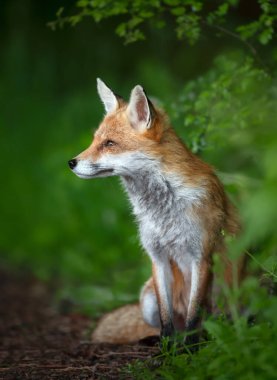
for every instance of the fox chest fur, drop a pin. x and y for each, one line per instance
(163, 206)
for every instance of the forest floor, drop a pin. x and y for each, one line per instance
(38, 342)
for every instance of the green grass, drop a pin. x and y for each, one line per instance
(233, 351)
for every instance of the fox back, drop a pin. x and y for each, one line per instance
(178, 201)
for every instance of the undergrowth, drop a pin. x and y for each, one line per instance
(242, 346)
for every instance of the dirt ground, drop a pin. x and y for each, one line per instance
(38, 342)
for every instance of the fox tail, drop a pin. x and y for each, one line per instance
(122, 326)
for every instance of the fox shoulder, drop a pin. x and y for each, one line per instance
(122, 326)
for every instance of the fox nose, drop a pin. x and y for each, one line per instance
(72, 163)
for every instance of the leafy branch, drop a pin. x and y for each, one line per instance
(189, 16)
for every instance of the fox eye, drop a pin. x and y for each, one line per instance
(109, 143)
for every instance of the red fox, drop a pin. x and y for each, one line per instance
(181, 209)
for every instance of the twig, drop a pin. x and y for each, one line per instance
(261, 265)
(238, 37)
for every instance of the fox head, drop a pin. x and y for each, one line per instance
(126, 140)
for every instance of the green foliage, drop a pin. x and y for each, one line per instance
(190, 17)
(236, 349)
(233, 352)
(222, 102)
(263, 28)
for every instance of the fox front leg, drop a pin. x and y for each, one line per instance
(162, 277)
(199, 297)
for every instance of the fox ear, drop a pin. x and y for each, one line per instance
(107, 97)
(139, 110)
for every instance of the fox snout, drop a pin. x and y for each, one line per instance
(86, 169)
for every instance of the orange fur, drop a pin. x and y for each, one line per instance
(123, 325)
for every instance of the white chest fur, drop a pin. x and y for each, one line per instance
(163, 205)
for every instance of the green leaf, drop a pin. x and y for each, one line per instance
(222, 9)
(178, 11)
(266, 36)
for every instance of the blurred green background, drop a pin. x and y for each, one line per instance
(81, 233)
